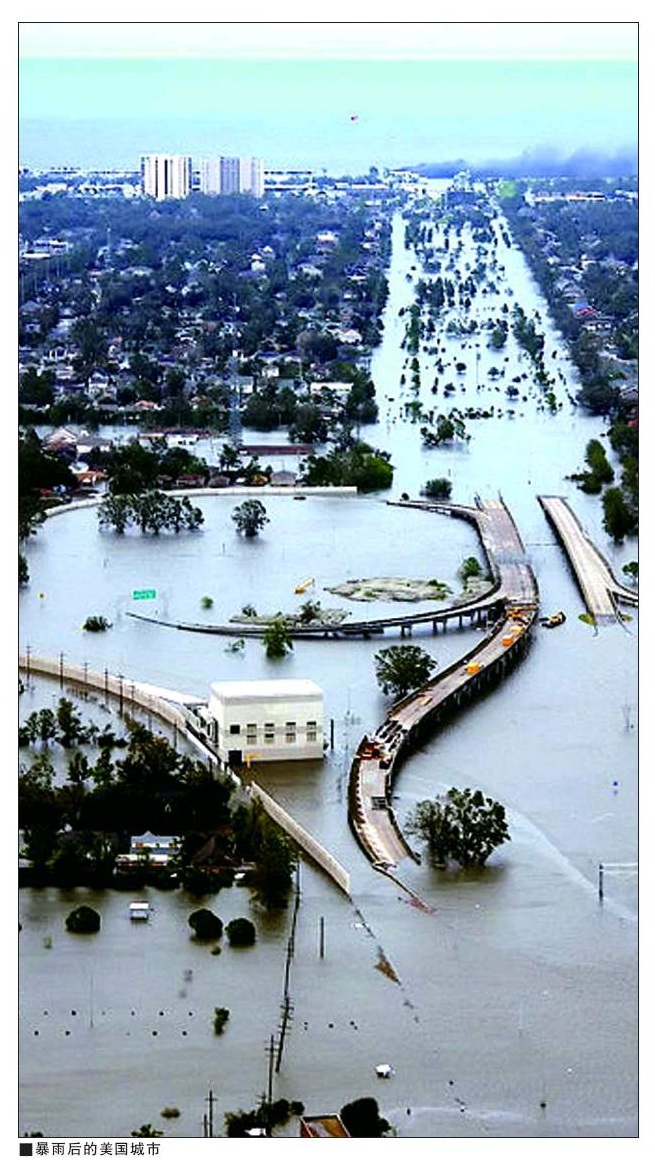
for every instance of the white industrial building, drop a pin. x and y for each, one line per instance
(265, 720)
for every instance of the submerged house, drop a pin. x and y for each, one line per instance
(322, 1127)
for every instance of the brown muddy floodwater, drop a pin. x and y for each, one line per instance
(508, 1006)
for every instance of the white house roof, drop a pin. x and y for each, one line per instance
(266, 689)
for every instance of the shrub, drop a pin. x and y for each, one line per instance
(83, 920)
(241, 932)
(220, 1017)
(96, 623)
(439, 487)
(469, 568)
(362, 1120)
(206, 925)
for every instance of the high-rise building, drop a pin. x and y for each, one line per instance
(232, 175)
(166, 175)
(251, 176)
(209, 175)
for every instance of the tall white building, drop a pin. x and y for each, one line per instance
(209, 175)
(166, 175)
(232, 175)
(251, 174)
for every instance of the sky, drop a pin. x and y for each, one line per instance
(381, 40)
(335, 95)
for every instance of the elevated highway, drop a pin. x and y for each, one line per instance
(379, 756)
(601, 591)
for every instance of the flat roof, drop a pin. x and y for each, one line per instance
(324, 1126)
(281, 688)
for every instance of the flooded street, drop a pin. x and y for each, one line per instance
(511, 1008)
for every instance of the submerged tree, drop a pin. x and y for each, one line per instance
(439, 487)
(277, 638)
(619, 520)
(362, 1119)
(401, 669)
(464, 826)
(250, 517)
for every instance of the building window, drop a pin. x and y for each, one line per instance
(290, 733)
(269, 732)
(235, 728)
(312, 730)
(251, 732)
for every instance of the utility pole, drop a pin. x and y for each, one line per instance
(287, 1011)
(271, 1050)
(208, 1120)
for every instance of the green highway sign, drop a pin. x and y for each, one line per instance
(139, 595)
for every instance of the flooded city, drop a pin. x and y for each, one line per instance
(506, 1004)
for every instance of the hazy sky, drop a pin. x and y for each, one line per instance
(102, 93)
(335, 39)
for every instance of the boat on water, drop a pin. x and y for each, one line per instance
(554, 620)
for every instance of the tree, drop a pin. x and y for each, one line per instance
(463, 826)
(618, 521)
(250, 517)
(95, 623)
(310, 611)
(221, 1016)
(36, 387)
(440, 488)
(357, 464)
(241, 932)
(362, 1120)
(83, 920)
(115, 511)
(275, 860)
(152, 510)
(431, 821)
(206, 925)
(469, 568)
(47, 725)
(400, 669)
(277, 638)
(68, 722)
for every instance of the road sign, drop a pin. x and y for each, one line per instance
(141, 595)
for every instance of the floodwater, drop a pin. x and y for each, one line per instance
(510, 1009)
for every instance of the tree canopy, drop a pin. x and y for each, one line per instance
(401, 669)
(464, 826)
(250, 517)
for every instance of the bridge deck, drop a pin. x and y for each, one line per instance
(600, 589)
(373, 767)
